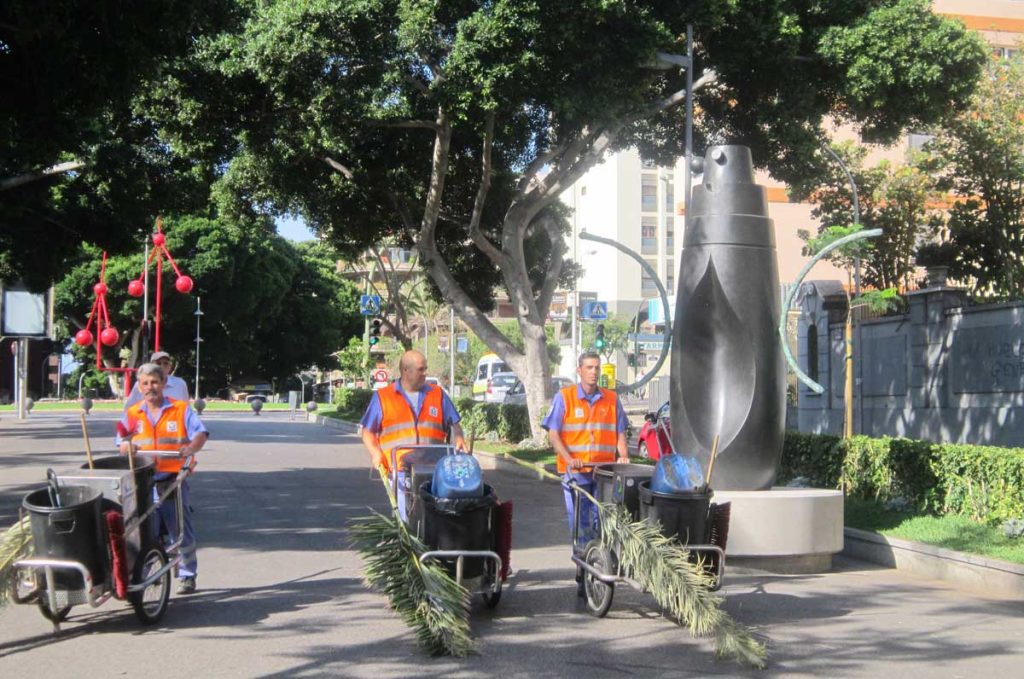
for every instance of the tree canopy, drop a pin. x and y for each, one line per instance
(269, 307)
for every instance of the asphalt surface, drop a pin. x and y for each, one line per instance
(280, 593)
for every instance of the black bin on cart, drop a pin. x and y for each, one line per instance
(619, 483)
(458, 524)
(683, 515)
(74, 531)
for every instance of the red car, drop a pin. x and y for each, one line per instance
(655, 434)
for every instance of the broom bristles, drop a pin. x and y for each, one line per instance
(16, 544)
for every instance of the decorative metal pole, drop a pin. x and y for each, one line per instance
(199, 316)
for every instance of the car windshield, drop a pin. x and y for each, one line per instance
(503, 380)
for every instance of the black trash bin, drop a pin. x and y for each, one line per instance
(683, 515)
(619, 483)
(72, 532)
(458, 524)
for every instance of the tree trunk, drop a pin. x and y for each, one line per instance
(537, 382)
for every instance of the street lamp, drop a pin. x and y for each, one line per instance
(199, 315)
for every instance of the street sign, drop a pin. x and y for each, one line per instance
(380, 375)
(595, 311)
(369, 305)
(462, 345)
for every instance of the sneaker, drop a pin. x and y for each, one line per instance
(186, 586)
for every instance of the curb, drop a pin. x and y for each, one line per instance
(334, 423)
(497, 462)
(978, 574)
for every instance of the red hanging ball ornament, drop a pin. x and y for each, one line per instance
(135, 288)
(100, 288)
(83, 338)
(109, 337)
(158, 239)
(183, 284)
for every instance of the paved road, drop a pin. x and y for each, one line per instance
(281, 595)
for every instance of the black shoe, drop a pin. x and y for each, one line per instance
(186, 586)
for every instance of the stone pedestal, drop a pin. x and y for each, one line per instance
(784, 530)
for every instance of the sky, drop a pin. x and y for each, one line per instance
(293, 228)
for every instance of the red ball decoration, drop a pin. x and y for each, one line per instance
(109, 337)
(183, 284)
(100, 288)
(83, 338)
(135, 288)
(158, 239)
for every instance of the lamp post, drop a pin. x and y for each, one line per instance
(199, 339)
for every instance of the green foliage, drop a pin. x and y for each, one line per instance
(979, 155)
(424, 595)
(877, 301)
(615, 332)
(352, 403)
(354, 360)
(984, 483)
(270, 308)
(844, 255)
(511, 422)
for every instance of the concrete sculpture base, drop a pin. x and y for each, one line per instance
(784, 530)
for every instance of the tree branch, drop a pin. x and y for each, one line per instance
(479, 239)
(554, 269)
(338, 167)
(29, 177)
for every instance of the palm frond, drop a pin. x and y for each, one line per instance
(16, 544)
(663, 567)
(423, 594)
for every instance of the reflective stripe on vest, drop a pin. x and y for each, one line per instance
(169, 432)
(399, 427)
(589, 432)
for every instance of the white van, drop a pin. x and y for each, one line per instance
(486, 367)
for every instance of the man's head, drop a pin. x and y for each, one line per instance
(588, 367)
(413, 370)
(164, 360)
(151, 379)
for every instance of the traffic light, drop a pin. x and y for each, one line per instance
(631, 360)
(374, 331)
(599, 338)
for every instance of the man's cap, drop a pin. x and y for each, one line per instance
(157, 355)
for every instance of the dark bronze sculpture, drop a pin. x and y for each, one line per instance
(728, 373)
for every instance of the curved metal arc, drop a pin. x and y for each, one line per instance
(800, 374)
(649, 375)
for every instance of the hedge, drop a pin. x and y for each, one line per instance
(509, 422)
(984, 483)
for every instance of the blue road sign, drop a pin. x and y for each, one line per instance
(595, 311)
(462, 345)
(369, 305)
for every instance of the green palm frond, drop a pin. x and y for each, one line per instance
(422, 594)
(682, 588)
(16, 544)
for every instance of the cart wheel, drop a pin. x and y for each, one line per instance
(599, 594)
(151, 602)
(491, 599)
(56, 617)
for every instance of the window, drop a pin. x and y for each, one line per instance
(670, 277)
(1005, 52)
(812, 352)
(648, 193)
(648, 288)
(648, 235)
(670, 233)
(670, 192)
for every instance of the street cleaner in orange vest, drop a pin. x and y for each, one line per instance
(161, 423)
(408, 412)
(586, 426)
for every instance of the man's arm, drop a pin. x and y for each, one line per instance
(372, 442)
(195, 445)
(555, 438)
(623, 447)
(457, 437)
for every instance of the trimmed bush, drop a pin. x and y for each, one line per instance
(352, 403)
(984, 483)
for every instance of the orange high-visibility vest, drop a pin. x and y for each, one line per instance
(168, 433)
(400, 427)
(589, 432)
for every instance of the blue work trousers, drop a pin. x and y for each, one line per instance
(589, 519)
(166, 524)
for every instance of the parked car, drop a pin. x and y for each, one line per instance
(655, 435)
(517, 394)
(498, 385)
(488, 366)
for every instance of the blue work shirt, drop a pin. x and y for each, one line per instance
(555, 418)
(374, 415)
(193, 425)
